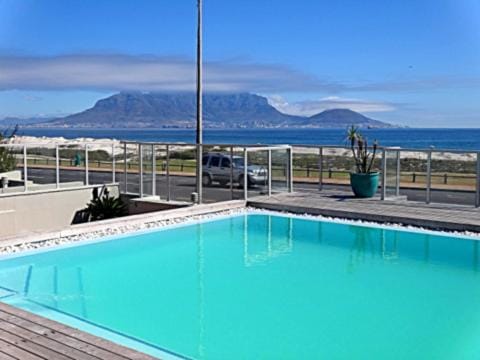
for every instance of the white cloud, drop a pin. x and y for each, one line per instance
(312, 107)
(160, 73)
(149, 73)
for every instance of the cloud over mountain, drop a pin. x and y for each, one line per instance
(311, 107)
(117, 72)
(150, 73)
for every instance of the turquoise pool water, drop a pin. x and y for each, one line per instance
(262, 286)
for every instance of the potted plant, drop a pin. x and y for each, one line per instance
(363, 180)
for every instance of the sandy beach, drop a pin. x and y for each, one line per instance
(108, 145)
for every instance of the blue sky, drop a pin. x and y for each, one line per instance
(412, 62)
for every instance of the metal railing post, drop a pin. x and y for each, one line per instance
(384, 175)
(57, 166)
(125, 169)
(199, 173)
(290, 170)
(168, 173)
(269, 173)
(429, 177)
(477, 195)
(245, 174)
(140, 168)
(320, 168)
(25, 169)
(113, 164)
(231, 172)
(397, 175)
(87, 180)
(154, 171)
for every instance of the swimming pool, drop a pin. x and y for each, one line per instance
(263, 286)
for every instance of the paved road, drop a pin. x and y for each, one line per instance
(182, 186)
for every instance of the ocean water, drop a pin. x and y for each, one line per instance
(465, 139)
(269, 287)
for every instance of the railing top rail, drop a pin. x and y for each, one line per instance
(320, 146)
(391, 148)
(273, 147)
(204, 145)
(432, 150)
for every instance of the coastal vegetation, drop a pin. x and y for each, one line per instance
(8, 160)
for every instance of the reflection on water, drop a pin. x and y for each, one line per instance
(269, 245)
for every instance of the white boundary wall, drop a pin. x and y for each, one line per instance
(43, 211)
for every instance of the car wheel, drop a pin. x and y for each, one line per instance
(206, 180)
(240, 182)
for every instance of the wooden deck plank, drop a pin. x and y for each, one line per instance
(85, 346)
(16, 353)
(5, 356)
(31, 347)
(338, 204)
(60, 337)
(45, 341)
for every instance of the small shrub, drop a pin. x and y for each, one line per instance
(105, 207)
(8, 162)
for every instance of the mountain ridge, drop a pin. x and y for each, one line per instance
(177, 110)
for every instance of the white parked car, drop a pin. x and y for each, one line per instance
(216, 168)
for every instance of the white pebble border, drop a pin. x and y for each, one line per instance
(110, 230)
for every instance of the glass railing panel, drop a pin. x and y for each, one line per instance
(338, 163)
(305, 168)
(392, 172)
(280, 169)
(100, 163)
(182, 170)
(257, 172)
(147, 169)
(131, 166)
(72, 161)
(453, 177)
(413, 174)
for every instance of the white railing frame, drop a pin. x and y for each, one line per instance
(477, 192)
(87, 180)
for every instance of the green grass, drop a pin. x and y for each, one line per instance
(302, 170)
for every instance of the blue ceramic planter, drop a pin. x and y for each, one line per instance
(364, 185)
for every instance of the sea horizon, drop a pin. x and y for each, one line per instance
(415, 138)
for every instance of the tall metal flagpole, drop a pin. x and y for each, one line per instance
(199, 102)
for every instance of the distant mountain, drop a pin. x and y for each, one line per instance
(177, 110)
(13, 121)
(341, 118)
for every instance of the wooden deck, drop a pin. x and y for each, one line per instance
(25, 336)
(344, 205)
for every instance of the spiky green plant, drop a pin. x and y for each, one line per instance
(105, 207)
(8, 161)
(363, 157)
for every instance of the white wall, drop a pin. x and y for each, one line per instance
(43, 211)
